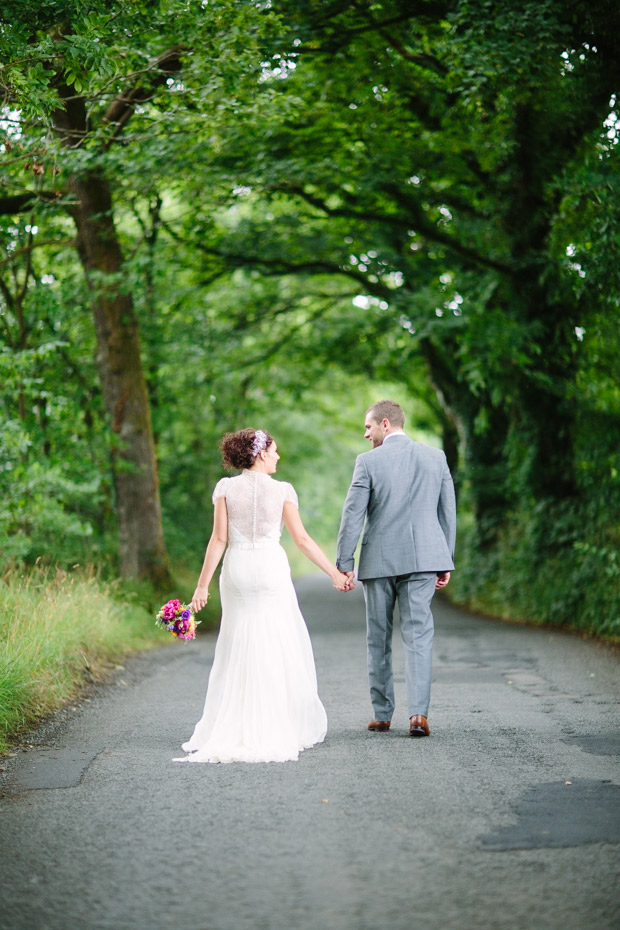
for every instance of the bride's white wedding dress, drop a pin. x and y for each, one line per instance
(262, 703)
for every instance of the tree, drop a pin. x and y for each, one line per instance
(64, 84)
(420, 150)
(64, 57)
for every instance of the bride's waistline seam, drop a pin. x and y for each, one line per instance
(267, 544)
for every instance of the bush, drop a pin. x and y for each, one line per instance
(553, 563)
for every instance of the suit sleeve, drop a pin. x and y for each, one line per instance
(353, 516)
(446, 509)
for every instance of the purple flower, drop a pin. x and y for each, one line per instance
(186, 614)
(259, 442)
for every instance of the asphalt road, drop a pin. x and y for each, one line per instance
(506, 818)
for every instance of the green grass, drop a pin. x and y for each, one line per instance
(59, 632)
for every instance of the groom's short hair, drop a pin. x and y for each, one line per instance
(388, 410)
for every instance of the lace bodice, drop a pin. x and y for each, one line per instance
(254, 502)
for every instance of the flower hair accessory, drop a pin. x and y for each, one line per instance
(259, 442)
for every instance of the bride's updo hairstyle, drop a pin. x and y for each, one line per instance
(240, 449)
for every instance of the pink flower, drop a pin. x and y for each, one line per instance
(177, 619)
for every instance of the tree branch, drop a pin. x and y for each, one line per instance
(36, 245)
(72, 122)
(345, 33)
(121, 110)
(424, 61)
(6, 293)
(285, 340)
(27, 250)
(388, 218)
(418, 221)
(19, 203)
(10, 302)
(283, 266)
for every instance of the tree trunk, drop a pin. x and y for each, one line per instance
(141, 542)
(482, 453)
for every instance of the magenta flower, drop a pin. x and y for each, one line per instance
(177, 619)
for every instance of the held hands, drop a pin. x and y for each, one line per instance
(200, 598)
(344, 581)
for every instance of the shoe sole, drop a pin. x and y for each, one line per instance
(418, 731)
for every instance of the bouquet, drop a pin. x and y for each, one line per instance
(178, 618)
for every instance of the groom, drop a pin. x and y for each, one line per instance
(403, 491)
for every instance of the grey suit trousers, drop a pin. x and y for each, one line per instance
(414, 593)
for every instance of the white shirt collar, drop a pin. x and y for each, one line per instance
(389, 435)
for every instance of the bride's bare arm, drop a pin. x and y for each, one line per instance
(215, 550)
(312, 551)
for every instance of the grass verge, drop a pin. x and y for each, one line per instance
(61, 631)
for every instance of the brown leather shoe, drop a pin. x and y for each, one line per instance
(418, 726)
(380, 726)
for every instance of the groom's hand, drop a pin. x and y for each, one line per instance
(350, 581)
(442, 580)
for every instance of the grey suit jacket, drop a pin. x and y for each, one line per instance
(404, 492)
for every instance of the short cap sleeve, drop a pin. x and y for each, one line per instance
(290, 494)
(220, 489)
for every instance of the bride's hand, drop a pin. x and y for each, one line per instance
(200, 598)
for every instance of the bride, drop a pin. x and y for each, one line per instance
(262, 703)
